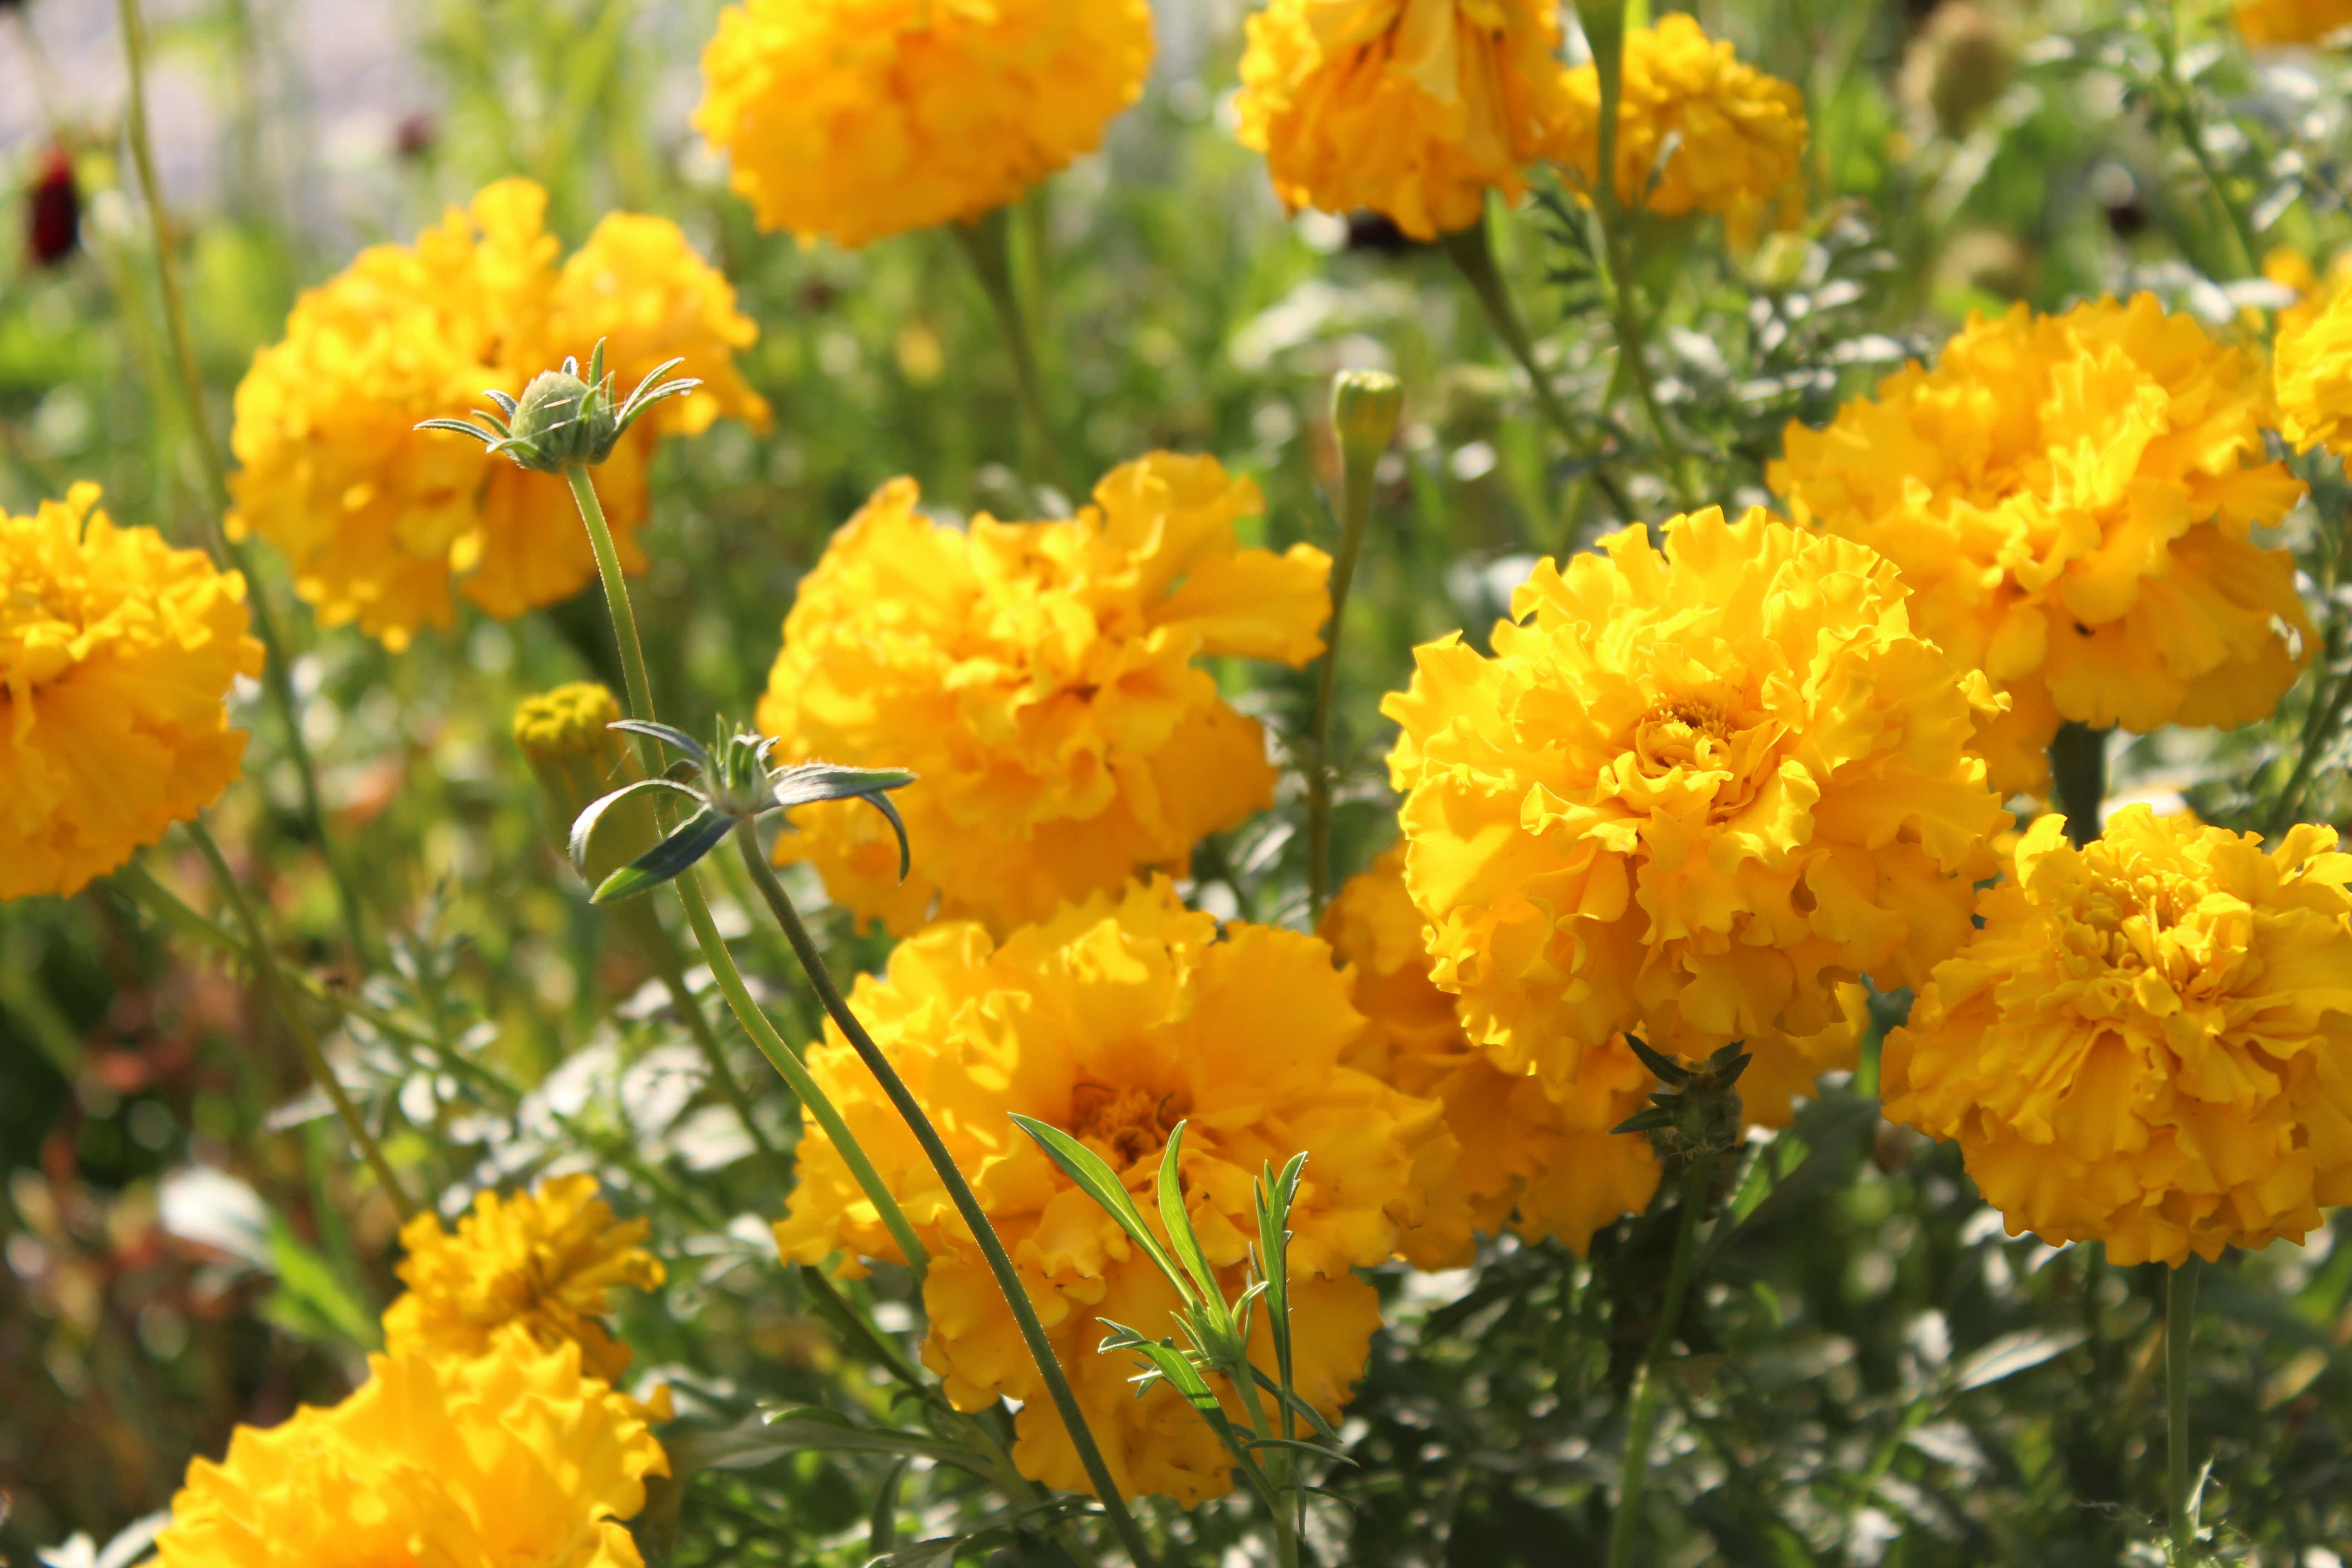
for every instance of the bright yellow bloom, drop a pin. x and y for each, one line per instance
(1413, 107)
(380, 520)
(2069, 500)
(548, 1260)
(2312, 356)
(856, 119)
(1039, 679)
(1695, 794)
(515, 1460)
(1113, 1020)
(1738, 135)
(2149, 1042)
(116, 653)
(2265, 21)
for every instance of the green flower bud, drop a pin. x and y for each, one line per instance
(562, 421)
(563, 735)
(1365, 405)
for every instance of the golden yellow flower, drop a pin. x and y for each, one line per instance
(515, 1458)
(1739, 134)
(1039, 679)
(2269, 21)
(548, 1260)
(2070, 499)
(1413, 107)
(1113, 1020)
(116, 654)
(856, 119)
(2312, 356)
(2149, 1042)
(1695, 794)
(380, 521)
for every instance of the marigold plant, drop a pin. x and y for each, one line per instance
(381, 521)
(1415, 109)
(1040, 680)
(2149, 1042)
(1696, 794)
(2311, 358)
(1113, 1021)
(856, 119)
(117, 653)
(513, 1458)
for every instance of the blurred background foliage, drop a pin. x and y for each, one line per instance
(1893, 1381)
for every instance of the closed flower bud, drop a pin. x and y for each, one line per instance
(561, 420)
(1364, 409)
(562, 734)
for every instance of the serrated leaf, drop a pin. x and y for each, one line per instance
(1099, 1181)
(694, 838)
(2012, 1354)
(583, 826)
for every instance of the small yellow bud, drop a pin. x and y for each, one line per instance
(1365, 405)
(577, 760)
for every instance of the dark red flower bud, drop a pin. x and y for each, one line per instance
(53, 211)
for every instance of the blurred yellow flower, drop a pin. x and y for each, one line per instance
(2070, 499)
(547, 1261)
(1039, 679)
(2312, 356)
(514, 1458)
(1113, 1020)
(380, 521)
(1695, 794)
(1415, 109)
(116, 654)
(1737, 134)
(855, 120)
(2266, 21)
(2149, 1042)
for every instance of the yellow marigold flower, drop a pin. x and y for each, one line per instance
(2149, 1042)
(2272, 22)
(1113, 1020)
(514, 1458)
(2070, 499)
(1039, 679)
(1695, 794)
(1739, 134)
(1413, 107)
(380, 520)
(548, 1261)
(856, 119)
(2312, 355)
(116, 652)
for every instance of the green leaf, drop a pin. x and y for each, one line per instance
(882, 1527)
(2012, 1354)
(1648, 1121)
(793, 1429)
(1306, 1412)
(591, 818)
(694, 838)
(1178, 1221)
(807, 782)
(311, 1300)
(1666, 1068)
(675, 738)
(1099, 1181)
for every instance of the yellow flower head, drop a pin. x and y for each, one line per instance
(2313, 356)
(380, 520)
(856, 119)
(1413, 107)
(1113, 1020)
(1039, 679)
(548, 1261)
(2271, 22)
(2070, 498)
(514, 1458)
(1739, 134)
(1695, 794)
(2149, 1042)
(116, 652)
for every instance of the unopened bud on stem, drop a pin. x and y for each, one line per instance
(1365, 405)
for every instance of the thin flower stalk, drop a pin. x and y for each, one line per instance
(1641, 1419)
(1364, 406)
(2179, 1485)
(986, 243)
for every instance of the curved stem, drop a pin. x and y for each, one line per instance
(1640, 1424)
(1355, 511)
(661, 950)
(967, 1203)
(2180, 1328)
(986, 243)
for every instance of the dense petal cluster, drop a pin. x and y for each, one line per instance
(1697, 132)
(2272, 22)
(2149, 1042)
(2070, 499)
(1113, 1020)
(515, 1458)
(1415, 109)
(1040, 680)
(380, 521)
(546, 1260)
(856, 119)
(117, 653)
(2312, 361)
(1695, 794)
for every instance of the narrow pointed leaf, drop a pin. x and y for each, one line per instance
(583, 826)
(805, 783)
(1306, 1412)
(653, 377)
(881, 803)
(456, 427)
(1647, 1121)
(1178, 1221)
(696, 836)
(675, 738)
(1667, 1069)
(506, 405)
(1100, 1183)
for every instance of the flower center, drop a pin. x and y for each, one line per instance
(1126, 1125)
(1684, 732)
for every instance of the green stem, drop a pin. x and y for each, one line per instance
(2319, 729)
(2182, 106)
(967, 1203)
(986, 243)
(2078, 779)
(273, 978)
(1355, 511)
(2179, 1329)
(746, 1007)
(1641, 1425)
(661, 950)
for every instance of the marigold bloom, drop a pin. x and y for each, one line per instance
(2149, 1042)
(1695, 794)
(380, 520)
(2069, 500)
(548, 1261)
(116, 653)
(2272, 22)
(2312, 356)
(1113, 1020)
(1413, 107)
(856, 119)
(514, 1458)
(1739, 134)
(1039, 679)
